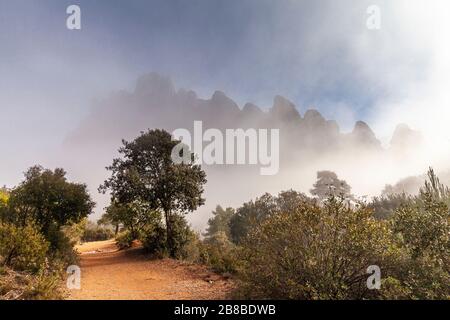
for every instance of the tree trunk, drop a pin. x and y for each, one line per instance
(169, 233)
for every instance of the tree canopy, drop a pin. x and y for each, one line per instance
(328, 184)
(47, 199)
(146, 175)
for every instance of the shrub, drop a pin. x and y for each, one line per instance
(220, 253)
(22, 286)
(93, 232)
(315, 252)
(154, 240)
(182, 238)
(22, 248)
(61, 247)
(124, 239)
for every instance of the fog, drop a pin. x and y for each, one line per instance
(67, 98)
(308, 143)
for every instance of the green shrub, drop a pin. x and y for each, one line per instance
(124, 239)
(61, 247)
(181, 238)
(315, 252)
(220, 253)
(22, 248)
(96, 233)
(154, 240)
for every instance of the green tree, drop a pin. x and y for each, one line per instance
(114, 216)
(250, 214)
(220, 222)
(385, 205)
(328, 184)
(146, 174)
(47, 199)
(133, 216)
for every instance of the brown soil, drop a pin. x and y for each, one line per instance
(109, 273)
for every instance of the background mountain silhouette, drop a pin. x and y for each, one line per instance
(308, 141)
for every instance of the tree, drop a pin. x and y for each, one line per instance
(4, 197)
(328, 184)
(147, 175)
(250, 214)
(220, 222)
(134, 216)
(253, 213)
(385, 205)
(288, 201)
(47, 199)
(114, 216)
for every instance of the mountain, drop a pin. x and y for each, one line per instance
(308, 142)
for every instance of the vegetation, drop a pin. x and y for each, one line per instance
(94, 232)
(285, 246)
(146, 184)
(328, 184)
(40, 223)
(295, 247)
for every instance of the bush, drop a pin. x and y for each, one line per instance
(61, 248)
(95, 233)
(220, 253)
(124, 239)
(182, 238)
(154, 240)
(315, 252)
(22, 248)
(22, 286)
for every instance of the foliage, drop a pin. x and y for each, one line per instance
(220, 222)
(124, 239)
(328, 184)
(22, 248)
(74, 232)
(385, 205)
(315, 252)
(147, 176)
(4, 198)
(252, 213)
(93, 232)
(133, 216)
(155, 241)
(423, 228)
(61, 247)
(45, 285)
(220, 253)
(46, 198)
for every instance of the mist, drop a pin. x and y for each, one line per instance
(371, 105)
(308, 143)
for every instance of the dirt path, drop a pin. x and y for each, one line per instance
(107, 273)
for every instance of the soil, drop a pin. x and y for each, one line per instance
(109, 273)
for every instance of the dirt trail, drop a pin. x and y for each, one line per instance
(107, 273)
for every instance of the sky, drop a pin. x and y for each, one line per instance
(316, 53)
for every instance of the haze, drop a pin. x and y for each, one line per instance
(68, 97)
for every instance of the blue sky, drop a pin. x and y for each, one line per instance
(316, 53)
